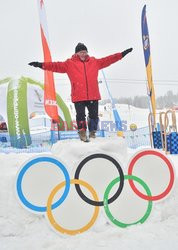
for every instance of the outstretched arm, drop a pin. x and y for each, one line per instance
(60, 67)
(106, 61)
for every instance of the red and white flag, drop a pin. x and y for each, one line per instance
(49, 86)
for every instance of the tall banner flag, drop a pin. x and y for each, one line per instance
(49, 86)
(117, 118)
(147, 55)
(17, 114)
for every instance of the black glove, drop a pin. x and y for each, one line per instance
(36, 64)
(125, 52)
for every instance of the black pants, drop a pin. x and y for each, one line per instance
(92, 107)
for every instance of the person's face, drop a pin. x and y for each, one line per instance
(82, 54)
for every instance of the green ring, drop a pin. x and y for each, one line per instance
(106, 206)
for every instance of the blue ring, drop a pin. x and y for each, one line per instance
(22, 173)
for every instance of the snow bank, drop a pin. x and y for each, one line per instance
(21, 230)
(72, 152)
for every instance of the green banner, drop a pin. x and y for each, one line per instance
(17, 114)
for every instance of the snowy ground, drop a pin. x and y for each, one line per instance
(21, 230)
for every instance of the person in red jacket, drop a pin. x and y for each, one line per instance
(82, 71)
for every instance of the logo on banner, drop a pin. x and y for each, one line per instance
(50, 102)
(44, 186)
(146, 42)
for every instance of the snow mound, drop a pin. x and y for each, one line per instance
(71, 151)
(19, 229)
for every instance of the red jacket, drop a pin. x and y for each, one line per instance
(83, 75)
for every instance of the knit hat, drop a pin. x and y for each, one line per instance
(80, 47)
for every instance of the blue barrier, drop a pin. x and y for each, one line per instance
(4, 137)
(63, 135)
(141, 137)
(42, 141)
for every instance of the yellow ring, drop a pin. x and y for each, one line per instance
(49, 210)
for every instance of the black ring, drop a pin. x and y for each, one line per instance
(121, 183)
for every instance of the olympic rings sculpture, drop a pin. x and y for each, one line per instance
(51, 203)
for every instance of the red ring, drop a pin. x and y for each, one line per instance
(171, 170)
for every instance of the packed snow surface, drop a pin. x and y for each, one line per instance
(22, 230)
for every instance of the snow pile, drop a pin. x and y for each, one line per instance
(21, 230)
(71, 153)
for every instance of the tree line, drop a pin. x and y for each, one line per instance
(166, 101)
